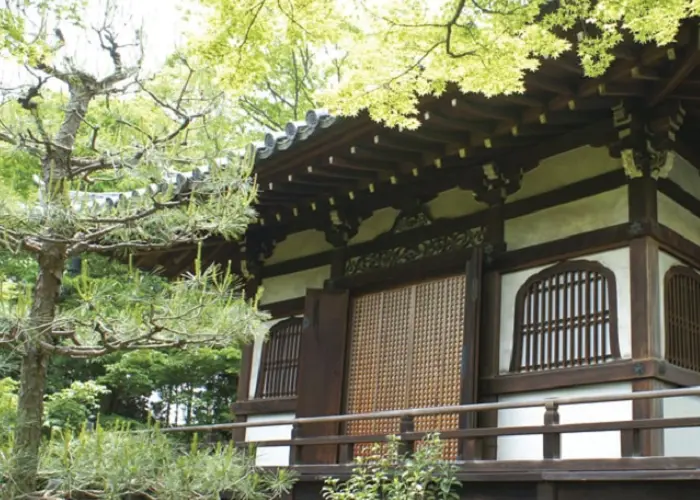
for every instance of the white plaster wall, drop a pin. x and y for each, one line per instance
(678, 218)
(580, 216)
(300, 244)
(686, 176)
(380, 222)
(273, 456)
(574, 445)
(291, 286)
(681, 442)
(615, 260)
(454, 203)
(564, 169)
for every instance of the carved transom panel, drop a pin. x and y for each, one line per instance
(404, 254)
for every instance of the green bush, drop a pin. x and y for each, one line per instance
(118, 463)
(388, 475)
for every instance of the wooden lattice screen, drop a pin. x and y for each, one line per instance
(279, 362)
(682, 317)
(406, 353)
(566, 316)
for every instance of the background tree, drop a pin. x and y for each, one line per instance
(395, 51)
(73, 123)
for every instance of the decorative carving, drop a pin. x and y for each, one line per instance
(645, 141)
(395, 256)
(341, 227)
(498, 182)
(257, 246)
(412, 217)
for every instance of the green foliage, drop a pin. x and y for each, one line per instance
(8, 407)
(70, 408)
(388, 475)
(395, 51)
(111, 464)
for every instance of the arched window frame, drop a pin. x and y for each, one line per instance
(279, 360)
(682, 346)
(581, 266)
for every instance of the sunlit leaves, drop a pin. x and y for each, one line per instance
(396, 51)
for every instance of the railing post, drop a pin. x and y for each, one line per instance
(551, 441)
(407, 424)
(294, 449)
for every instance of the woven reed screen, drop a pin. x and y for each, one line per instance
(406, 353)
(682, 317)
(566, 316)
(279, 362)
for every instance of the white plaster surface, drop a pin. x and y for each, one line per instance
(580, 216)
(686, 176)
(573, 445)
(682, 442)
(678, 218)
(291, 286)
(300, 244)
(273, 456)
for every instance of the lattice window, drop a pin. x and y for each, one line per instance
(566, 316)
(279, 362)
(406, 353)
(682, 317)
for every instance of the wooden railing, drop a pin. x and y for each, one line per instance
(551, 429)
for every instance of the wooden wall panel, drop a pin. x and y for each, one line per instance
(406, 353)
(321, 368)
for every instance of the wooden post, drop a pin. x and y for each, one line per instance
(551, 442)
(407, 424)
(295, 450)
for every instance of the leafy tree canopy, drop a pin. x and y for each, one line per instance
(392, 52)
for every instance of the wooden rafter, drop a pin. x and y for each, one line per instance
(685, 66)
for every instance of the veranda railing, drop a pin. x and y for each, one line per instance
(551, 429)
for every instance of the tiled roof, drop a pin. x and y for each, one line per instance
(180, 182)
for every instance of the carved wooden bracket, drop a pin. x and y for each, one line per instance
(342, 225)
(646, 139)
(499, 180)
(258, 245)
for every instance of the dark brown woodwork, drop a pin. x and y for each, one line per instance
(242, 391)
(642, 200)
(683, 68)
(264, 406)
(489, 347)
(682, 317)
(284, 308)
(279, 361)
(551, 443)
(469, 371)
(322, 367)
(646, 341)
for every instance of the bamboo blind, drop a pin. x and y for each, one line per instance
(406, 353)
(566, 316)
(682, 317)
(279, 362)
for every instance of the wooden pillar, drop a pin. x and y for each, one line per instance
(643, 166)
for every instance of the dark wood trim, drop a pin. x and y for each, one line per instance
(642, 202)
(242, 392)
(645, 323)
(676, 375)
(489, 349)
(298, 264)
(679, 195)
(285, 308)
(579, 190)
(617, 371)
(676, 245)
(260, 406)
(238, 434)
(469, 380)
(578, 245)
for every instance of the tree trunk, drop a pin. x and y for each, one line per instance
(35, 360)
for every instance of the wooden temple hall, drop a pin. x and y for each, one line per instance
(536, 255)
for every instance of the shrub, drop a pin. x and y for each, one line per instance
(388, 475)
(144, 465)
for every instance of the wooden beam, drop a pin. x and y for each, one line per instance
(548, 84)
(685, 66)
(456, 122)
(361, 153)
(485, 111)
(407, 144)
(362, 164)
